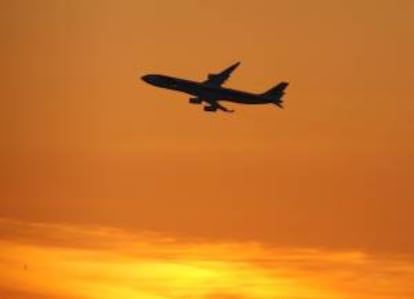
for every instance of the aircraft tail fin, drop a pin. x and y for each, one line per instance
(276, 92)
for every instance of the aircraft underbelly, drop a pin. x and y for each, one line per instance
(221, 94)
(237, 97)
(232, 96)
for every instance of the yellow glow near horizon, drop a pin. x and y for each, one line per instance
(91, 263)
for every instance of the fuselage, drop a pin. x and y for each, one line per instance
(205, 91)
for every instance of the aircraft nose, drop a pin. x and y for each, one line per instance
(146, 78)
(151, 79)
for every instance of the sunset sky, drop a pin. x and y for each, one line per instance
(111, 188)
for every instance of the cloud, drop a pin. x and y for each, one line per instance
(106, 263)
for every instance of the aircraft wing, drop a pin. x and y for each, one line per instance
(218, 79)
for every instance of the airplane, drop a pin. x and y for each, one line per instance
(211, 91)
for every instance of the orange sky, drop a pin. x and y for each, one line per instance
(85, 142)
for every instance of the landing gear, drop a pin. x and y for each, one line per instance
(210, 108)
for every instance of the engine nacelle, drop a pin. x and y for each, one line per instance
(195, 101)
(210, 108)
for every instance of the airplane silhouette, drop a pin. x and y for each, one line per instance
(211, 91)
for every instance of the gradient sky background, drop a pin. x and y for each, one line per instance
(85, 142)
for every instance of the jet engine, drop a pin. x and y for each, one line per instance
(195, 101)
